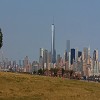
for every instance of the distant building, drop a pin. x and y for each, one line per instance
(41, 58)
(85, 54)
(44, 59)
(68, 46)
(53, 50)
(69, 61)
(95, 55)
(66, 56)
(26, 61)
(20, 63)
(35, 66)
(72, 56)
(79, 53)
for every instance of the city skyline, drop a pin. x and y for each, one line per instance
(26, 26)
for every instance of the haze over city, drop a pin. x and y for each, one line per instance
(49, 49)
(26, 26)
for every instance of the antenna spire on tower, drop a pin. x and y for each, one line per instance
(53, 19)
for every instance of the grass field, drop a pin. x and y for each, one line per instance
(15, 86)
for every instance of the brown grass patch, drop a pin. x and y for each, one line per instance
(15, 86)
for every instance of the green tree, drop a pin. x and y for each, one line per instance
(63, 71)
(1, 39)
(71, 72)
(55, 71)
(52, 71)
(40, 72)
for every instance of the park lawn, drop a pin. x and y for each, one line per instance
(15, 86)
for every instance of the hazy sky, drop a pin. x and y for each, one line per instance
(26, 25)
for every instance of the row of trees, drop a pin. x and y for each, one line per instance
(58, 72)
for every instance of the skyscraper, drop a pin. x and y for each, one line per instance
(66, 56)
(95, 55)
(68, 52)
(41, 58)
(69, 60)
(41, 52)
(68, 46)
(79, 53)
(95, 63)
(72, 55)
(85, 53)
(53, 51)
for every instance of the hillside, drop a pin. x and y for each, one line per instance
(15, 86)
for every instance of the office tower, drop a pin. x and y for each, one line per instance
(79, 53)
(41, 58)
(79, 56)
(72, 55)
(53, 51)
(48, 60)
(35, 66)
(44, 58)
(95, 63)
(88, 62)
(45, 55)
(95, 55)
(89, 51)
(84, 61)
(69, 55)
(66, 60)
(76, 54)
(26, 61)
(68, 46)
(41, 52)
(85, 54)
(27, 64)
(66, 56)
(14, 65)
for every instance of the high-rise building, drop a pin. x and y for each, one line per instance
(20, 63)
(95, 55)
(53, 51)
(88, 62)
(95, 63)
(58, 59)
(72, 55)
(41, 58)
(85, 54)
(45, 56)
(41, 52)
(76, 54)
(66, 56)
(68, 46)
(89, 51)
(26, 61)
(69, 59)
(79, 53)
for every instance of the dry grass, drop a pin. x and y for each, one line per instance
(15, 86)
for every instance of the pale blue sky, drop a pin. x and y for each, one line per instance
(26, 25)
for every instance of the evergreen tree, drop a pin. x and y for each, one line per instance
(1, 39)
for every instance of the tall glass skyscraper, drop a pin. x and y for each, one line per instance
(68, 46)
(72, 55)
(53, 51)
